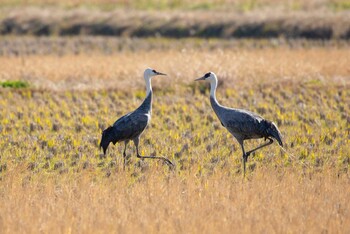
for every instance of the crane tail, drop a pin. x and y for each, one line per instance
(107, 137)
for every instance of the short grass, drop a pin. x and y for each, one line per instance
(54, 177)
(237, 5)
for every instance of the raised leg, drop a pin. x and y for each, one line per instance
(124, 154)
(136, 142)
(259, 147)
(246, 154)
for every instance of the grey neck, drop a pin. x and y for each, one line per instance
(148, 86)
(214, 103)
(146, 105)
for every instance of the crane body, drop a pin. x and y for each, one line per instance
(242, 124)
(131, 126)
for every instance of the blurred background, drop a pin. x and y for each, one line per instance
(314, 19)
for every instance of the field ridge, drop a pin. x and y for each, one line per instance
(175, 24)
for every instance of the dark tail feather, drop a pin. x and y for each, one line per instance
(107, 137)
(275, 133)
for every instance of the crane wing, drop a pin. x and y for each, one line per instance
(131, 125)
(243, 123)
(248, 126)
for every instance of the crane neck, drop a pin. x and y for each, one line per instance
(148, 86)
(213, 86)
(146, 105)
(214, 103)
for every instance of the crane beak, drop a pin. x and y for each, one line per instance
(202, 78)
(161, 74)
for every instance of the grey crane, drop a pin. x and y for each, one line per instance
(131, 126)
(242, 124)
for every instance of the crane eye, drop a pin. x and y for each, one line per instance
(207, 75)
(154, 71)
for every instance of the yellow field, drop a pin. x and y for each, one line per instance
(53, 177)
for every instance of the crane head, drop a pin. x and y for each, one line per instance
(208, 76)
(149, 72)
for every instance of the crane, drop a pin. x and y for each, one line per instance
(242, 124)
(131, 126)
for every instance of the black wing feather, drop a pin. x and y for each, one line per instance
(108, 136)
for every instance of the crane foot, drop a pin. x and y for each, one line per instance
(170, 164)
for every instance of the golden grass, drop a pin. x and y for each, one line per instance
(238, 67)
(53, 177)
(282, 201)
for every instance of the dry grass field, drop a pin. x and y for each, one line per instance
(53, 177)
(223, 5)
(271, 23)
(311, 19)
(272, 200)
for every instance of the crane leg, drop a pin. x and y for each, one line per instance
(124, 154)
(244, 164)
(246, 154)
(244, 158)
(259, 147)
(136, 142)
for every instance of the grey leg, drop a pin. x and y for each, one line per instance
(244, 157)
(259, 147)
(136, 142)
(124, 154)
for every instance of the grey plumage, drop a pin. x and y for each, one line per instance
(131, 126)
(242, 124)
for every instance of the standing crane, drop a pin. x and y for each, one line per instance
(131, 126)
(242, 124)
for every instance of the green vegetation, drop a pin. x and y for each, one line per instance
(14, 84)
(67, 135)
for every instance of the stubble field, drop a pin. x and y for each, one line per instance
(55, 179)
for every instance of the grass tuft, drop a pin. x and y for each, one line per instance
(14, 84)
